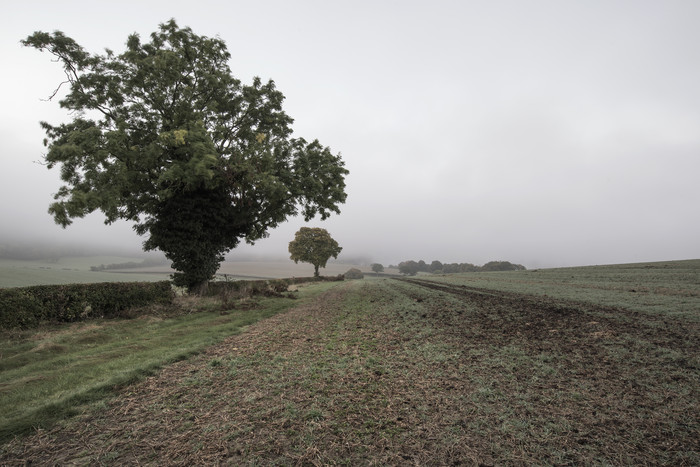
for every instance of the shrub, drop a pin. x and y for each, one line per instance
(408, 267)
(27, 306)
(354, 273)
(279, 285)
(18, 309)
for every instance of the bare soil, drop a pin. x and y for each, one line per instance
(409, 373)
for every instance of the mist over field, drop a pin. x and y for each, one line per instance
(525, 174)
(557, 135)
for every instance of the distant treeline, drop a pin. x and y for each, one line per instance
(146, 263)
(29, 252)
(412, 268)
(46, 251)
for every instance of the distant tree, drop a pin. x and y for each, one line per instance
(422, 267)
(376, 267)
(435, 266)
(450, 268)
(354, 273)
(409, 268)
(467, 267)
(502, 266)
(315, 246)
(164, 136)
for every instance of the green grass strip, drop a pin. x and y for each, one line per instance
(56, 372)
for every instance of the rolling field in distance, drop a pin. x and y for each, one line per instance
(76, 269)
(67, 270)
(270, 269)
(573, 366)
(670, 287)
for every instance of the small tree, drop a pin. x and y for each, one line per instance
(376, 267)
(354, 273)
(408, 267)
(315, 246)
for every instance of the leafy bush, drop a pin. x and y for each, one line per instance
(408, 267)
(354, 273)
(27, 306)
(18, 309)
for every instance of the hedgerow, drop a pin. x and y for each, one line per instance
(27, 306)
(262, 287)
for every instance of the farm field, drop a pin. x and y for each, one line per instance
(76, 269)
(671, 287)
(584, 366)
(67, 270)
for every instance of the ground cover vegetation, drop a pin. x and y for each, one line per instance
(56, 371)
(164, 136)
(671, 287)
(515, 368)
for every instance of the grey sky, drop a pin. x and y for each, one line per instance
(546, 133)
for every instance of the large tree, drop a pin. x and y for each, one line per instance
(315, 246)
(164, 136)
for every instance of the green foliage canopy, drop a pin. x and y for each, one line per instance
(164, 136)
(409, 268)
(412, 268)
(315, 246)
(354, 273)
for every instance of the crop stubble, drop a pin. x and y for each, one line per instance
(411, 372)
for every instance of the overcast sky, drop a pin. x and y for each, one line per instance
(546, 133)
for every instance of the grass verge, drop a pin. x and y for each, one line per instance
(55, 372)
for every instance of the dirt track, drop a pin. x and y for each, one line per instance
(410, 372)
